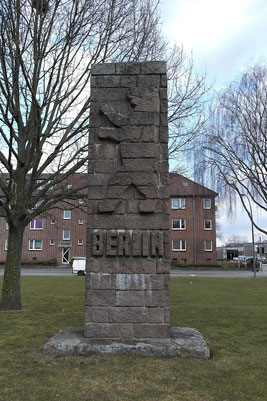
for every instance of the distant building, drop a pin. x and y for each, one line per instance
(231, 251)
(192, 221)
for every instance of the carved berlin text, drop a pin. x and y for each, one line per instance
(127, 243)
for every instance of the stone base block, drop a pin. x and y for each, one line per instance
(183, 341)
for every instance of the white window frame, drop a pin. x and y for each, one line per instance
(6, 244)
(204, 203)
(180, 249)
(7, 226)
(34, 224)
(69, 186)
(81, 201)
(80, 242)
(205, 228)
(205, 245)
(53, 221)
(63, 235)
(41, 183)
(32, 245)
(52, 242)
(80, 221)
(181, 203)
(67, 213)
(38, 204)
(181, 222)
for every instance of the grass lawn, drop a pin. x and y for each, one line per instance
(230, 313)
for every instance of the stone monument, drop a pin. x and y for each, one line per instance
(128, 246)
(128, 266)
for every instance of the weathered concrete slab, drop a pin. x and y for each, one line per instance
(183, 341)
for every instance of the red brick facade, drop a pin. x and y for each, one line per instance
(52, 245)
(192, 222)
(43, 237)
(189, 218)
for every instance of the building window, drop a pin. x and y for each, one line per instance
(178, 203)
(207, 203)
(81, 201)
(36, 224)
(179, 245)
(67, 214)
(69, 186)
(6, 244)
(178, 224)
(53, 221)
(80, 221)
(52, 242)
(80, 242)
(35, 245)
(7, 227)
(41, 184)
(208, 245)
(207, 225)
(38, 204)
(66, 234)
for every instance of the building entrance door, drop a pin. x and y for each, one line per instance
(65, 255)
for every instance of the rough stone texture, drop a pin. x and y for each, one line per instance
(183, 341)
(128, 249)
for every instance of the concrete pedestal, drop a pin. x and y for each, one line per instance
(183, 341)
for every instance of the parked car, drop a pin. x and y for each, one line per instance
(79, 266)
(243, 258)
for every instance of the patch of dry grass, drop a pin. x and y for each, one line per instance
(230, 313)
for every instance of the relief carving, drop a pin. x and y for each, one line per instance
(143, 99)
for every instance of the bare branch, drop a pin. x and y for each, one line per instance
(236, 145)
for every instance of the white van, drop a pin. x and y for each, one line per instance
(78, 265)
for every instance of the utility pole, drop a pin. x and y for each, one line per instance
(252, 234)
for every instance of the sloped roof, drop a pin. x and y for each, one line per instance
(180, 185)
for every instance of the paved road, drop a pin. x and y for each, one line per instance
(59, 271)
(217, 273)
(48, 271)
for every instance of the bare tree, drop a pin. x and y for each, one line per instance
(236, 144)
(46, 52)
(219, 233)
(236, 239)
(188, 98)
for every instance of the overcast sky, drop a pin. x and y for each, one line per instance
(225, 37)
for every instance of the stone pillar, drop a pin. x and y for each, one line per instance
(128, 244)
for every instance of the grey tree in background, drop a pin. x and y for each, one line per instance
(236, 239)
(46, 52)
(235, 149)
(188, 100)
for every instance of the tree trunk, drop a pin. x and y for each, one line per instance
(11, 299)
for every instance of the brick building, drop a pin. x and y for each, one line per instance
(61, 234)
(192, 221)
(58, 235)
